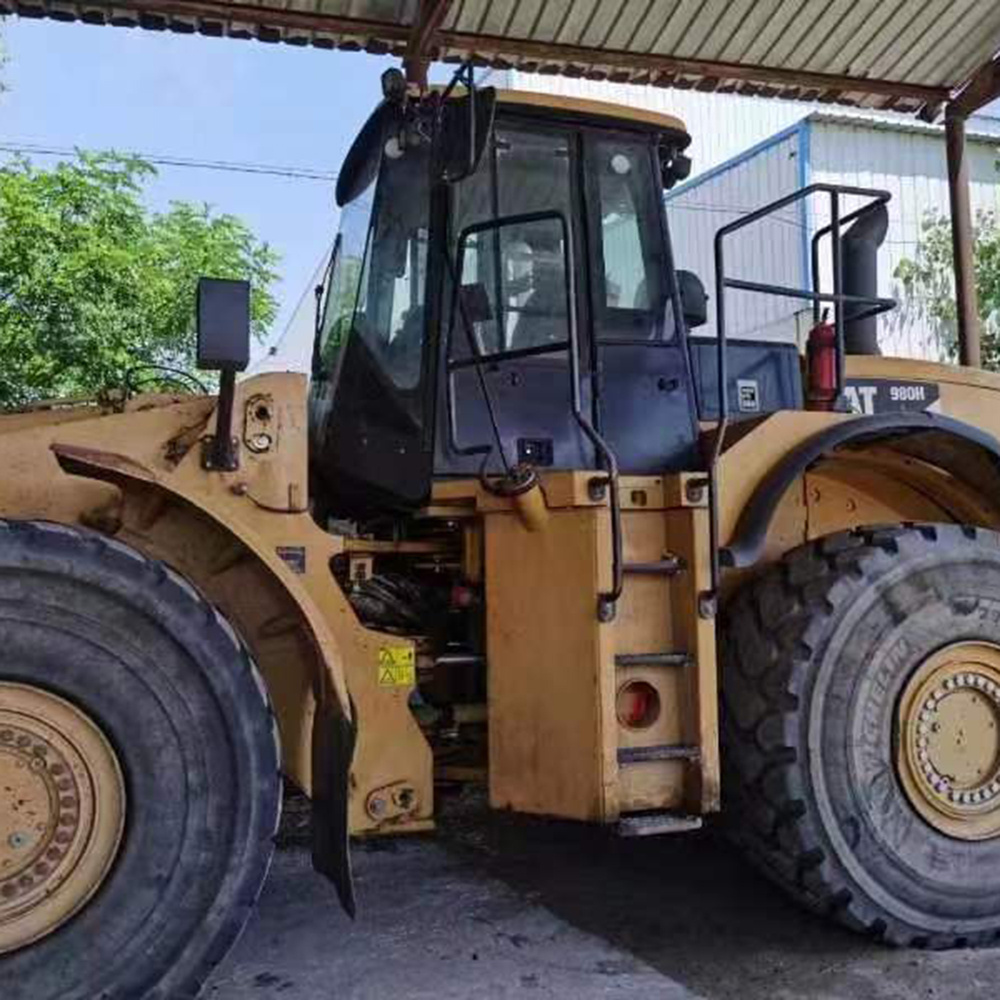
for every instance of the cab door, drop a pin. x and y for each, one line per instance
(645, 407)
(513, 300)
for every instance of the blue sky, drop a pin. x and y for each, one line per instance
(216, 99)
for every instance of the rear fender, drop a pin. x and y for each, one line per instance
(957, 465)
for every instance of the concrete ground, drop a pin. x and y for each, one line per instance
(497, 907)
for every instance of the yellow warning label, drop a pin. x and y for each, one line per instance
(396, 666)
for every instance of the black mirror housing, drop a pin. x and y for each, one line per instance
(466, 125)
(223, 310)
(694, 301)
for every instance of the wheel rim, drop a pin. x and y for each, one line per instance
(62, 812)
(949, 740)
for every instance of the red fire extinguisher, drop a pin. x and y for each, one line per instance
(821, 355)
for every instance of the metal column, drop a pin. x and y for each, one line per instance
(969, 352)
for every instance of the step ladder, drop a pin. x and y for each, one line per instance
(664, 650)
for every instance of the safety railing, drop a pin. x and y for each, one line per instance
(837, 297)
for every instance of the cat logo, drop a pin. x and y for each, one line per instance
(871, 396)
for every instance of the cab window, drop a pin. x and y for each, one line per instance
(389, 315)
(513, 280)
(631, 275)
(344, 280)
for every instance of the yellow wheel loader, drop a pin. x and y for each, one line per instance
(530, 523)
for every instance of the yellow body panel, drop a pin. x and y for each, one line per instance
(558, 744)
(247, 541)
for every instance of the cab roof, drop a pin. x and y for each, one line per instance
(584, 108)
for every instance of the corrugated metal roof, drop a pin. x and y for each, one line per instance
(978, 130)
(906, 54)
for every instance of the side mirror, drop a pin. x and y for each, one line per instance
(674, 166)
(223, 345)
(465, 126)
(694, 301)
(223, 324)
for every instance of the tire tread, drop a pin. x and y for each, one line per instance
(766, 654)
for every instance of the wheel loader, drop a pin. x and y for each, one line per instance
(532, 522)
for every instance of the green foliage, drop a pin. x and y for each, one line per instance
(92, 284)
(928, 283)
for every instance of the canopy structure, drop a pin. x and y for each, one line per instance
(911, 55)
(925, 57)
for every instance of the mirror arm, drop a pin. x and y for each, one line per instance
(220, 454)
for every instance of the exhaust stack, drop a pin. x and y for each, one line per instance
(860, 254)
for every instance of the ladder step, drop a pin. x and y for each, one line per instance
(660, 751)
(654, 660)
(654, 823)
(670, 566)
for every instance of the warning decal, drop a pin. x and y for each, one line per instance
(396, 666)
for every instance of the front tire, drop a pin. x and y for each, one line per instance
(861, 728)
(130, 647)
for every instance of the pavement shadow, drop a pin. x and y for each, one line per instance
(688, 904)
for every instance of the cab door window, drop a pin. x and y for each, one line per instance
(514, 286)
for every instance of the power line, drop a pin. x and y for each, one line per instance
(297, 173)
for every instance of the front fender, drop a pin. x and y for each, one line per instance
(279, 618)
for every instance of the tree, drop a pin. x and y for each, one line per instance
(93, 285)
(928, 281)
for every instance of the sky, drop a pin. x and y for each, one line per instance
(95, 87)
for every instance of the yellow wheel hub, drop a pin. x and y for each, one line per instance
(949, 740)
(62, 812)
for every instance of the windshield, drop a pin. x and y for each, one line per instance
(389, 313)
(376, 286)
(341, 291)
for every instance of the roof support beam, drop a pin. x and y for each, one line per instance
(499, 48)
(969, 351)
(981, 89)
(223, 13)
(430, 15)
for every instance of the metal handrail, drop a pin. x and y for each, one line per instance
(876, 305)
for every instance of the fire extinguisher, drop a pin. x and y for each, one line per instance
(821, 356)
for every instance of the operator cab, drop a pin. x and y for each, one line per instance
(503, 293)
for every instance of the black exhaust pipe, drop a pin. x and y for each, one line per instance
(860, 253)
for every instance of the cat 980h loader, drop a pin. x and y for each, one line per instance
(531, 522)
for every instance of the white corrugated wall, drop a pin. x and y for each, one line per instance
(721, 126)
(770, 250)
(911, 166)
(875, 149)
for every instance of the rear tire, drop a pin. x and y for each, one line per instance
(160, 672)
(818, 656)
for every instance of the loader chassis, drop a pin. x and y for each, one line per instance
(495, 563)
